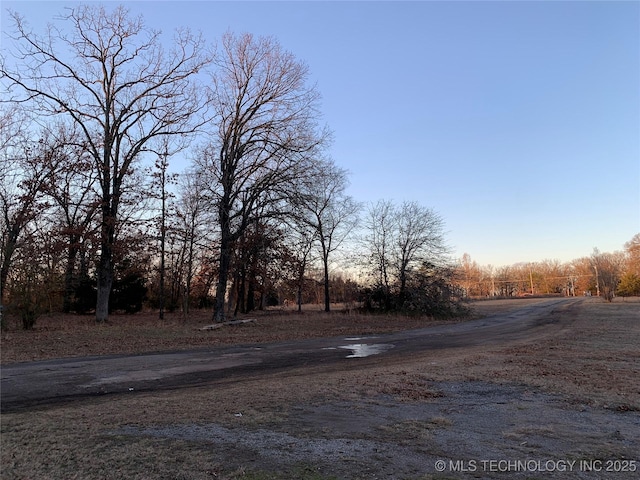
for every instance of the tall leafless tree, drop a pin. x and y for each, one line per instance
(266, 120)
(191, 217)
(380, 229)
(420, 237)
(113, 78)
(400, 238)
(323, 204)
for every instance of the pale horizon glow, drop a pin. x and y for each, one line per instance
(518, 122)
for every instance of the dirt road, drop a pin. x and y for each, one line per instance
(36, 383)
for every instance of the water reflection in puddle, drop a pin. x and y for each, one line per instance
(360, 350)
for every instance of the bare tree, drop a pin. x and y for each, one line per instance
(119, 86)
(401, 241)
(300, 238)
(470, 275)
(420, 236)
(191, 215)
(324, 205)
(608, 269)
(266, 132)
(400, 238)
(160, 181)
(380, 227)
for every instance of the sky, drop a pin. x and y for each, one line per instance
(517, 122)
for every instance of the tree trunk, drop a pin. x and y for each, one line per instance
(105, 264)
(163, 235)
(68, 273)
(105, 282)
(300, 297)
(250, 305)
(301, 285)
(403, 282)
(327, 301)
(9, 249)
(239, 289)
(221, 288)
(4, 270)
(4, 273)
(187, 291)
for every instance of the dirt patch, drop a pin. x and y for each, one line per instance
(564, 405)
(469, 422)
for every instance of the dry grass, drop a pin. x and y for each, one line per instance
(61, 336)
(594, 361)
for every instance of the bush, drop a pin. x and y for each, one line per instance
(430, 291)
(629, 286)
(27, 299)
(85, 295)
(128, 293)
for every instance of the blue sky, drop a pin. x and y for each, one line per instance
(518, 122)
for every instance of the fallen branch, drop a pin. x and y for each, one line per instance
(215, 326)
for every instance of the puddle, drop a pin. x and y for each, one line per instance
(360, 350)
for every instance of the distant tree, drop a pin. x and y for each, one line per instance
(266, 134)
(121, 89)
(507, 281)
(608, 269)
(161, 179)
(630, 280)
(399, 240)
(469, 276)
(300, 237)
(550, 276)
(71, 185)
(632, 249)
(191, 216)
(629, 285)
(25, 165)
(323, 204)
(381, 228)
(487, 281)
(583, 275)
(420, 237)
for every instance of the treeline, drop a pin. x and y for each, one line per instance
(602, 274)
(93, 220)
